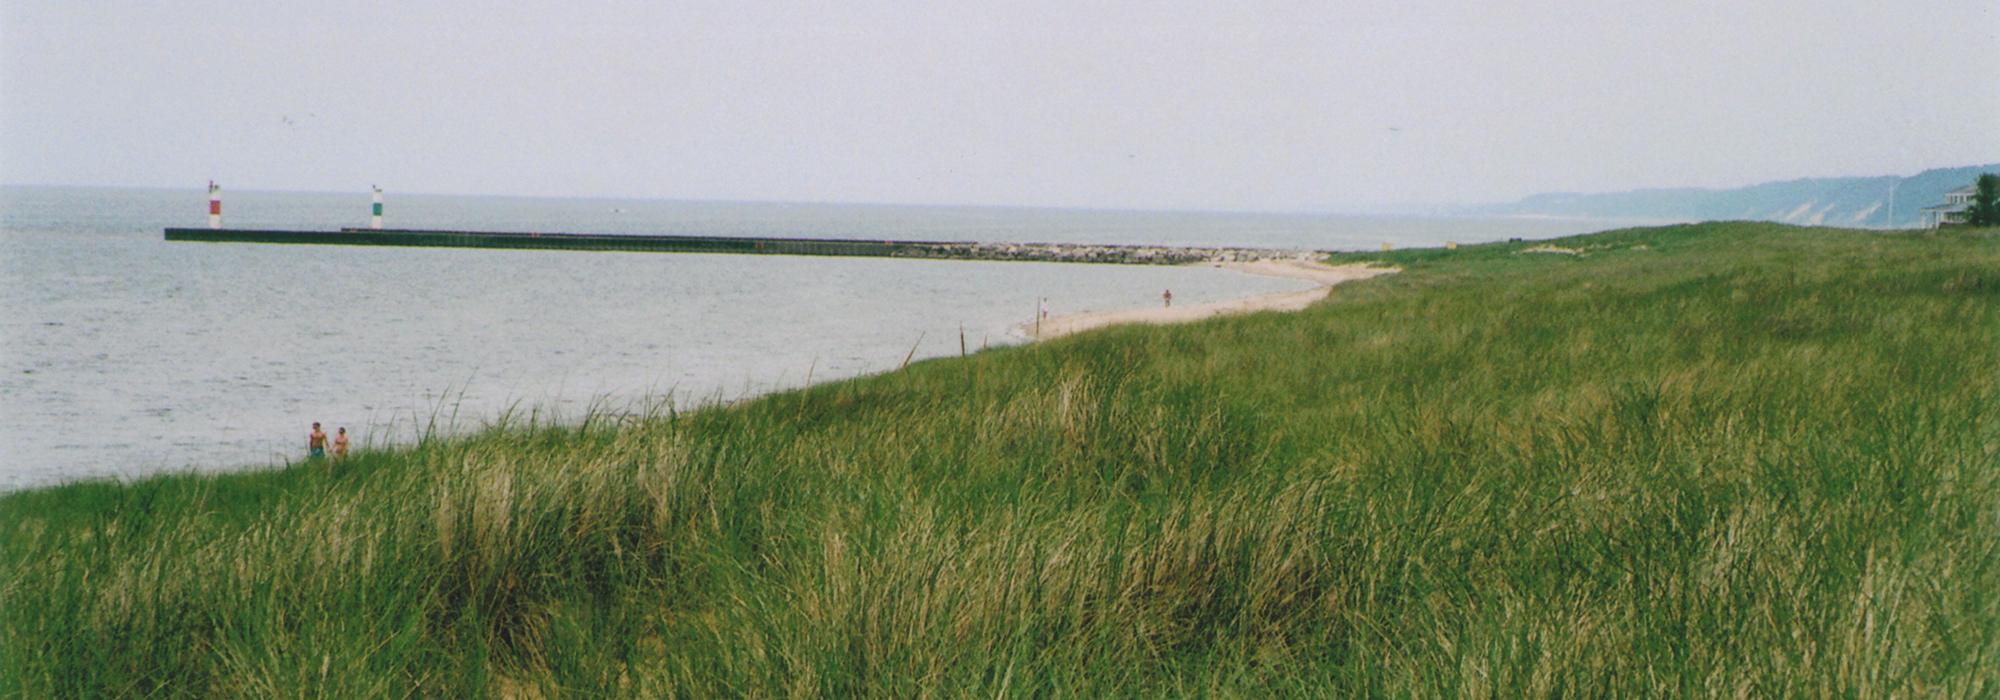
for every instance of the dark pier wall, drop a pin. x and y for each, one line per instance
(548, 241)
(952, 250)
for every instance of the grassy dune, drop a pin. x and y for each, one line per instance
(1725, 459)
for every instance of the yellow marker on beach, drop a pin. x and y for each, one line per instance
(1385, 247)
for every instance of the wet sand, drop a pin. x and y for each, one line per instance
(1324, 275)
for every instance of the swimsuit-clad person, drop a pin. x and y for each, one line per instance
(340, 444)
(316, 443)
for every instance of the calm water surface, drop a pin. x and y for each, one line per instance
(122, 355)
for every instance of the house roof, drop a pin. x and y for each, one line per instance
(1968, 189)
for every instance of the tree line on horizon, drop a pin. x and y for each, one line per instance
(1880, 201)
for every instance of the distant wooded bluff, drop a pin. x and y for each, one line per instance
(1833, 201)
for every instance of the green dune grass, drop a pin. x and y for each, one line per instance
(1723, 459)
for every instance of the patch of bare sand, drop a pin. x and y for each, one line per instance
(1312, 271)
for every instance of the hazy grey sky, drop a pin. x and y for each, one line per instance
(1138, 104)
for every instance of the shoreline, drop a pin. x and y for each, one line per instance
(1325, 276)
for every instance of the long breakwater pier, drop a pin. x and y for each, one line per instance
(937, 250)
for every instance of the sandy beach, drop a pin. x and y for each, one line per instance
(1326, 276)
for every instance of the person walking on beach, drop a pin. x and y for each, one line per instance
(1168, 297)
(316, 442)
(340, 444)
(1045, 307)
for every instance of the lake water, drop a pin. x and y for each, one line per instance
(122, 355)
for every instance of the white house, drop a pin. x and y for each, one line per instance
(1952, 211)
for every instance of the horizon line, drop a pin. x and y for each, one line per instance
(1424, 209)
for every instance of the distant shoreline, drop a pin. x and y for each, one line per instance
(1326, 276)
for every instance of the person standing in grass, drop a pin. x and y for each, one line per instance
(340, 443)
(316, 443)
